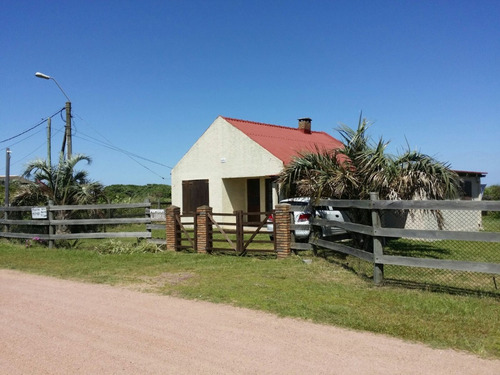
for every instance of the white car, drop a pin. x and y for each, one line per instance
(304, 216)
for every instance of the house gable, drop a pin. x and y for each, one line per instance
(223, 151)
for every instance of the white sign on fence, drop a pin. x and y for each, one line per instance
(39, 212)
(157, 215)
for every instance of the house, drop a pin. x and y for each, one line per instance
(470, 182)
(234, 164)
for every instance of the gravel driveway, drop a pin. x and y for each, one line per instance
(52, 326)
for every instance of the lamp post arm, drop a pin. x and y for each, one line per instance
(67, 133)
(60, 88)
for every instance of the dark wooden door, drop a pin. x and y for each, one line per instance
(253, 198)
(194, 195)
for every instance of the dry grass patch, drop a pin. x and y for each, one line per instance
(155, 284)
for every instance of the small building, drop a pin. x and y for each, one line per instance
(234, 164)
(470, 182)
(454, 220)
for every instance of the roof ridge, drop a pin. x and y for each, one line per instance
(265, 124)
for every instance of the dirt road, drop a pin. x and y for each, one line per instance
(52, 326)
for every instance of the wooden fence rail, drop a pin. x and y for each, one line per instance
(379, 234)
(47, 217)
(238, 233)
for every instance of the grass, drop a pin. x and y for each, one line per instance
(429, 278)
(437, 279)
(491, 222)
(321, 292)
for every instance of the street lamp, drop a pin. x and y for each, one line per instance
(67, 137)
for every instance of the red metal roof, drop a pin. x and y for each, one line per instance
(470, 173)
(284, 142)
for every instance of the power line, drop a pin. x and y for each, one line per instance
(128, 154)
(90, 139)
(111, 146)
(33, 127)
(115, 148)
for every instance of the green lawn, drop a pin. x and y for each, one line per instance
(491, 222)
(322, 292)
(428, 278)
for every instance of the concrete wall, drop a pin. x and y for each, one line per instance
(454, 220)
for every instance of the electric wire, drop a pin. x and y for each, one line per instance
(85, 137)
(126, 153)
(55, 132)
(33, 127)
(111, 146)
(19, 160)
(115, 148)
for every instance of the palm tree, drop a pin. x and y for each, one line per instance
(61, 184)
(362, 166)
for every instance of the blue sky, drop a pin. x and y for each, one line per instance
(148, 77)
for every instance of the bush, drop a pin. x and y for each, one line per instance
(492, 193)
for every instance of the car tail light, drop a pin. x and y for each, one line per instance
(270, 217)
(304, 217)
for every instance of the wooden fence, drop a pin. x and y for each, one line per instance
(43, 222)
(205, 231)
(380, 233)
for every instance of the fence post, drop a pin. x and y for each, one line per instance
(282, 238)
(51, 227)
(6, 217)
(203, 230)
(7, 197)
(147, 212)
(173, 234)
(378, 250)
(240, 233)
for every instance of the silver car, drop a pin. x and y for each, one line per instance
(304, 216)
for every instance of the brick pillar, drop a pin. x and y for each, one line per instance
(282, 230)
(173, 230)
(203, 230)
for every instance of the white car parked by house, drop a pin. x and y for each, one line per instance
(305, 215)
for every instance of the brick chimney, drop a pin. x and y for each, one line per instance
(305, 125)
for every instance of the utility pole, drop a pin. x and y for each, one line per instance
(7, 198)
(7, 176)
(67, 132)
(68, 129)
(49, 136)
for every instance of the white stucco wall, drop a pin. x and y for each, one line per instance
(223, 152)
